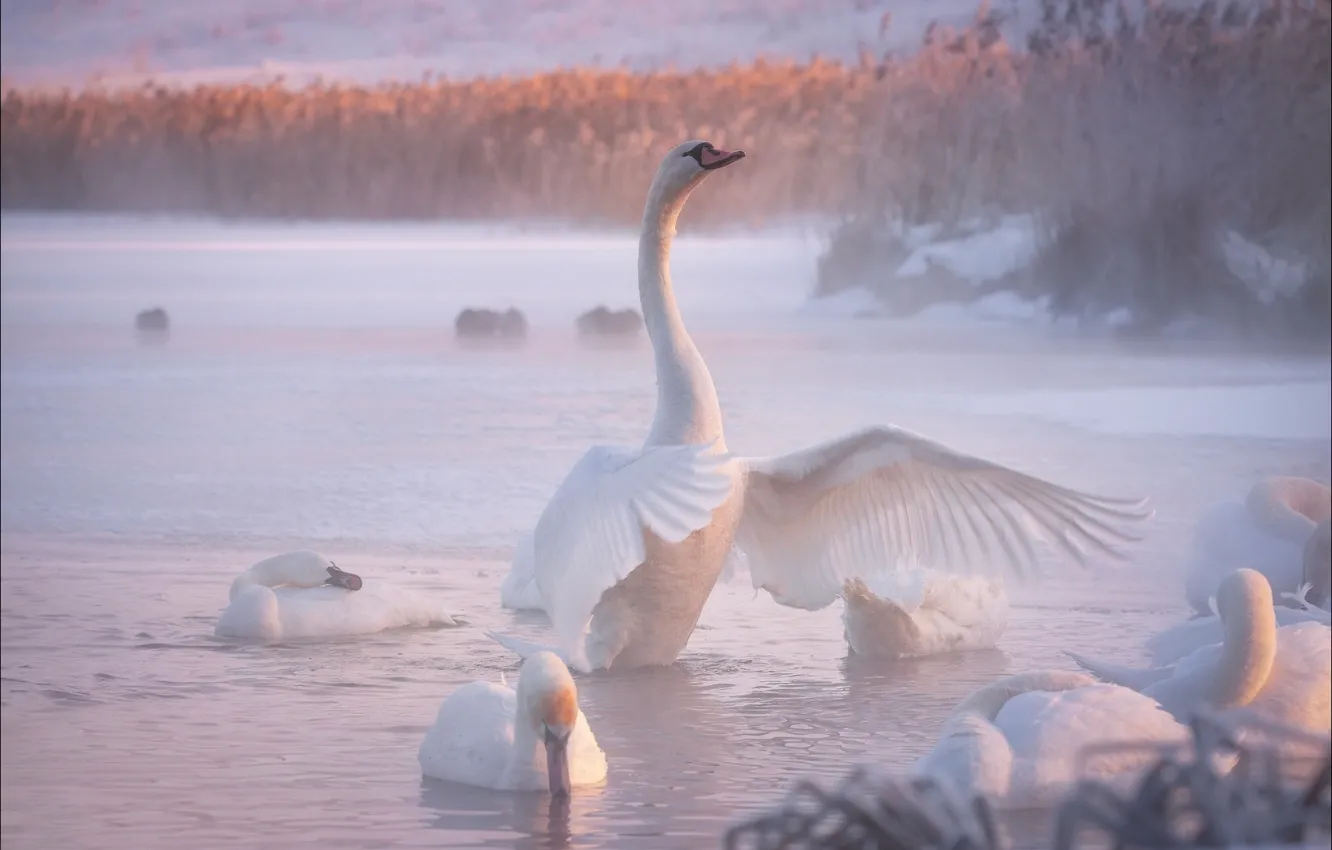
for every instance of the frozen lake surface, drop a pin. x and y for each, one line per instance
(311, 394)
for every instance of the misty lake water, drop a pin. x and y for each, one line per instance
(312, 394)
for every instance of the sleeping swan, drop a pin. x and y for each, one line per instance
(534, 739)
(1018, 740)
(1281, 530)
(923, 612)
(302, 594)
(1281, 674)
(632, 542)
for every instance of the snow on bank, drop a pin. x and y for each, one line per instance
(980, 273)
(981, 256)
(1268, 277)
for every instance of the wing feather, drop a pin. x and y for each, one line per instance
(590, 536)
(885, 500)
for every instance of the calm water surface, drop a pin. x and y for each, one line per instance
(311, 394)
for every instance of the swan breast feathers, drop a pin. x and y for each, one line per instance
(591, 534)
(886, 500)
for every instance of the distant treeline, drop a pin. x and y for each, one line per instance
(1137, 129)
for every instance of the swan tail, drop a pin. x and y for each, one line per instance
(1299, 600)
(524, 649)
(1121, 674)
(877, 626)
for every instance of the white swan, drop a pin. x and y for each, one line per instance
(1018, 741)
(534, 739)
(1281, 674)
(302, 594)
(1174, 643)
(923, 612)
(519, 589)
(631, 544)
(1276, 530)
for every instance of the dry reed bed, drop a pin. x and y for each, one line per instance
(572, 144)
(1138, 132)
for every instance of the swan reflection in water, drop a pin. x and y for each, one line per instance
(546, 821)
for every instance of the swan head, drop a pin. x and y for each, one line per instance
(1318, 566)
(548, 697)
(687, 164)
(338, 577)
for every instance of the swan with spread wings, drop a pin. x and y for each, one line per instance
(630, 546)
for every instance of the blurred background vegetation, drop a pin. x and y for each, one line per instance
(1174, 161)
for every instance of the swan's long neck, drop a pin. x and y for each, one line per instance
(527, 755)
(687, 408)
(990, 699)
(527, 758)
(242, 582)
(1249, 652)
(297, 569)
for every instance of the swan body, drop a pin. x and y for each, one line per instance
(519, 590)
(1018, 741)
(1281, 530)
(534, 738)
(302, 594)
(1281, 674)
(632, 542)
(1172, 644)
(923, 613)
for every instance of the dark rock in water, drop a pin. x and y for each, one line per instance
(512, 324)
(152, 320)
(475, 323)
(601, 321)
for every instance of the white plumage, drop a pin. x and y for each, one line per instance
(633, 541)
(1280, 674)
(1018, 741)
(299, 595)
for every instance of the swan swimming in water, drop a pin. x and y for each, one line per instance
(1281, 529)
(1018, 740)
(533, 739)
(302, 594)
(631, 544)
(923, 612)
(1281, 674)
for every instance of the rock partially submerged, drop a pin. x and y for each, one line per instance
(601, 321)
(154, 320)
(473, 323)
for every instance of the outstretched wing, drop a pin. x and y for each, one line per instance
(885, 499)
(590, 536)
